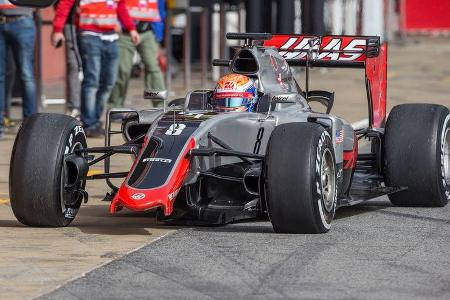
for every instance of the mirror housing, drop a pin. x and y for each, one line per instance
(323, 97)
(33, 3)
(199, 100)
(156, 95)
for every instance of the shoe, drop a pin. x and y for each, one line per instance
(101, 130)
(92, 133)
(95, 132)
(74, 113)
(8, 123)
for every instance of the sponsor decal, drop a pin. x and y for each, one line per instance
(174, 194)
(259, 137)
(70, 213)
(157, 159)
(138, 196)
(175, 129)
(151, 94)
(77, 129)
(340, 136)
(280, 98)
(280, 80)
(348, 49)
(273, 62)
(232, 81)
(229, 85)
(224, 95)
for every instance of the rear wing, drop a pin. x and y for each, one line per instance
(333, 51)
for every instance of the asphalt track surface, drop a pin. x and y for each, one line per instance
(373, 251)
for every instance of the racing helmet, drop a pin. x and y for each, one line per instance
(235, 92)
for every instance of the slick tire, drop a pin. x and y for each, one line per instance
(416, 154)
(38, 173)
(300, 179)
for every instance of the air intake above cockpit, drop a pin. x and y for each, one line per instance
(245, 63)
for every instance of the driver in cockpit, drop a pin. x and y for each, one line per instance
(235, 92)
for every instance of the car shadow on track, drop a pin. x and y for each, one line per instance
(263, 225)
(362, 208)
(10, 224)
(96, 219)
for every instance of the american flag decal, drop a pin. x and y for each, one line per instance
(340, 136)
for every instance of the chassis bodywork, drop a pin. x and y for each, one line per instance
(193, 163)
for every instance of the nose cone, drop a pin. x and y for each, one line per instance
(163, 195)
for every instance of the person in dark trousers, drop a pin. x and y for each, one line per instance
(74, 73)
(148, 16)
(17, 32)
(96, 23)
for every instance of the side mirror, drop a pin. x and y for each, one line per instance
(33, 3)
(155, 95)
(323, 97)
(199, 100)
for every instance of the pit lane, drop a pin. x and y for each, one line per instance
(373, 250)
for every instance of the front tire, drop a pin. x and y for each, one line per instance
(42, 187)
(300, 179)
(417, 154)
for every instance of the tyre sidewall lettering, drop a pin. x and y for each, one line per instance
(73, 134)
(76, 135)
(325, 216)
(445, 127)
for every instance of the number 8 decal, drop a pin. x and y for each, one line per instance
(259, 137)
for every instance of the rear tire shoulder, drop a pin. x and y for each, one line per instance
(412, 152)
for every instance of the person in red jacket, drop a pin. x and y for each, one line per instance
(96, 21)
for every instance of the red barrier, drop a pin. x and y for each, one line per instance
(431, 16)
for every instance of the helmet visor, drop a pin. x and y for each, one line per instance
(232, 99)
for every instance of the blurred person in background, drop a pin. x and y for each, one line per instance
(97, 37)
(17, 32)
(74, 70)
(148, 16)
(10, 82)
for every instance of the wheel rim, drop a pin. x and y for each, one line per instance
(328, 180)
(446, 162)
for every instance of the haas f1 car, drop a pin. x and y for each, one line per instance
(195, 163)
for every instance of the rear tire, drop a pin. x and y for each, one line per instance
(300, 179)
(416, 150)
(38, 173)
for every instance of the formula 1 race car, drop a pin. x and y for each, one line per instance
(196, 164)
